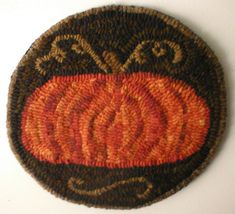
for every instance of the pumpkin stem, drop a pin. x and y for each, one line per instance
(113, 61)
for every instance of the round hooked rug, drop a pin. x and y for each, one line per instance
(116, 107)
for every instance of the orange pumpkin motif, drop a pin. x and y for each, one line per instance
(114, 120)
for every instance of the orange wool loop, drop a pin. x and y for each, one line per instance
(114, 120)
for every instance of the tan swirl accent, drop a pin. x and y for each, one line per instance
(99, 191)
(141, 58)
(111, 61)
(81, 47)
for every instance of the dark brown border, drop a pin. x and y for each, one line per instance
(169, 20)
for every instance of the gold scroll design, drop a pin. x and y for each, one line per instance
(111, 60)
(99, 191)
(140, 57)
(81, 47)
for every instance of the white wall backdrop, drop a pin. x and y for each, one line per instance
(22, 21)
